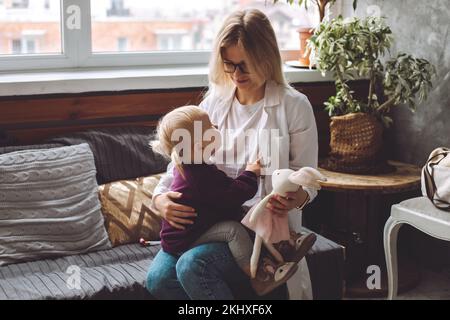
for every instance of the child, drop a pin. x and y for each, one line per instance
(216, 197)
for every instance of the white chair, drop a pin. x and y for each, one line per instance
(419, 213)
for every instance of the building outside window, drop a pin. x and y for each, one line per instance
(36, 26)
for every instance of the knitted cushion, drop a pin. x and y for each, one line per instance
(9, 149)
(126, 208)
(49, 204)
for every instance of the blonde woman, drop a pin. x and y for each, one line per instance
(247, 91)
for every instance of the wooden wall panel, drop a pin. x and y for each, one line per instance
(73, 108)
(30, 119)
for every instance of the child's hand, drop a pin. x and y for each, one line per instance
(255, 167)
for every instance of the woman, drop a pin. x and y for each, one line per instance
(247, 91)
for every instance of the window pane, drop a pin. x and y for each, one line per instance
(30, 27)
(174, 25)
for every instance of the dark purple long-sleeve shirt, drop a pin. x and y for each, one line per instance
(214, 196)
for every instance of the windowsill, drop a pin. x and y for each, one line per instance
(120, 79)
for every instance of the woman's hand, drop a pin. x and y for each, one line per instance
(282, 205)
(177, 215)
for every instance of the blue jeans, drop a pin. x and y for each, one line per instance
(205, 272)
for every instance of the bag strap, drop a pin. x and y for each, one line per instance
(430, 185)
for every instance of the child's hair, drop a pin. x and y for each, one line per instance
(180, 118)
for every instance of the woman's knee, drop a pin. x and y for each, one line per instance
(188, 266)
(203, 271)
(194, 262)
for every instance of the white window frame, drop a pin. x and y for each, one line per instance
(77, 50)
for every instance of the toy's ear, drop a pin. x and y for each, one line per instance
(307, 177)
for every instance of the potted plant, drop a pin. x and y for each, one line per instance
(306, 33)
(356, 47)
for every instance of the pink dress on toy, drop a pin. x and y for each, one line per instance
(272, 228)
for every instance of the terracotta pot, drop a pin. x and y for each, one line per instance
(305, 34)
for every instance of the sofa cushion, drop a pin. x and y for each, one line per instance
(120, 153)
(126, 209)
(49, 204)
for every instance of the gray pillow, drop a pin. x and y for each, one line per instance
(49, 204)
(9, 149)
(120, 153)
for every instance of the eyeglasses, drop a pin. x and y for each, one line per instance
(230, 67)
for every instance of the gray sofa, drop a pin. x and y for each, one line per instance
(120, 273)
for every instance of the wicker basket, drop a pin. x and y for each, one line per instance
(356, 145)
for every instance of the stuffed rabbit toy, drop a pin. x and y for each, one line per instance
(270, 228)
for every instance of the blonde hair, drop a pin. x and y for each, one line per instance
(180, 118)
(252, 30)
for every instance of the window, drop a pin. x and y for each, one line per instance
(23, 4)
(122, 44)
(34, 29)
(30, 46)
(128, 32)
(117, 9)
(16, 46)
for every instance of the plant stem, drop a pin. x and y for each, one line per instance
(371, 89)
(386, 105)
(372, 76)
(322, 4)
(346, 92)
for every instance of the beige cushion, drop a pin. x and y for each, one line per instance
(420, 205)
(126, 209)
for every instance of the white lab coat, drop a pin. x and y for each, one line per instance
(291, 113)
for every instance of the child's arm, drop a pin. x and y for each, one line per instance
(223, 191)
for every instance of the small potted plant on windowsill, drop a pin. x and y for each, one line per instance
(355, 47)
(306, 32)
